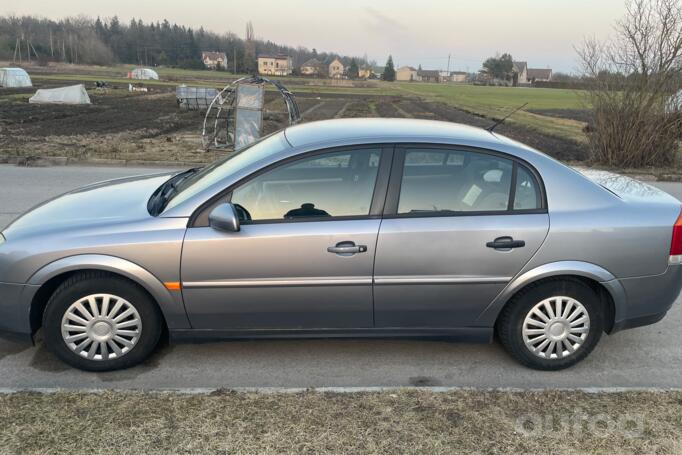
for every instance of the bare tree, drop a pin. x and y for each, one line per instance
(632, 80)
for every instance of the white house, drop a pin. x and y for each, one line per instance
(458, 76)
(336, 69)
(406, 73)
(539, 74)
(520, 73)
(213, 60)
(312, 67)
(275, 64)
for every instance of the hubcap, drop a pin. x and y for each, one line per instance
(101, 327)
(556, 327)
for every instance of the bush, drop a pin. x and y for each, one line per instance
(629, 133)
(631, 80)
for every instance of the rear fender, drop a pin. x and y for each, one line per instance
(561, 268)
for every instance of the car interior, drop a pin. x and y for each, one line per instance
(336, 184)
(457, 181)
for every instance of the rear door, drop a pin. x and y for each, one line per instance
(459, 223)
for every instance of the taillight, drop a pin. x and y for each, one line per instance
(676, 244)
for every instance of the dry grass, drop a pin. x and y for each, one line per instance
(382, 422)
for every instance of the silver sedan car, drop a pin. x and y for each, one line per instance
(346, 228)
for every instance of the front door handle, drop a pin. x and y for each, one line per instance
(505, 243)
(346, 249)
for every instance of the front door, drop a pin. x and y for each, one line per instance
(460, 224)
(304, 256)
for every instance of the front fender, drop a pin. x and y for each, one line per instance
(170, 302)
(560, 268)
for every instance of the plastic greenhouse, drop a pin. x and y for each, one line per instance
(144, 74)
(14, 77)
(74, 94)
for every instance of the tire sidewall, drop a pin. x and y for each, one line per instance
(65, 296)
(524, 302)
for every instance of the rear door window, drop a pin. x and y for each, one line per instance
(443, 181)
(527, 194)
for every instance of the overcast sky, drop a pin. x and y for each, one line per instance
(542, 32)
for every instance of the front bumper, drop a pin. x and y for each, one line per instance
(15, 321)
(648, 298)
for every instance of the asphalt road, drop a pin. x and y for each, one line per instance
(644, 357)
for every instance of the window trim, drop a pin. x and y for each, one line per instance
(395, 183)
(378, 201)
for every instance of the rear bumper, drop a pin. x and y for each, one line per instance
(648, 299)
(638, 322)
(15, 322)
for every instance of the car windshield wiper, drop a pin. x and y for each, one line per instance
(166, 191)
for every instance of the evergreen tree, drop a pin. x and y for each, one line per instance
(105, 41)
(389, 71)
(353, 70)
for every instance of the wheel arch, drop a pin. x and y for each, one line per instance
(48, 279)
(606, 286)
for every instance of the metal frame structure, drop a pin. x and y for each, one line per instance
(219, 122)
(194, 98)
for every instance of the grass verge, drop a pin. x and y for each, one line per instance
(374, 422)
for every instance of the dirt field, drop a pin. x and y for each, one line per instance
(149, 127)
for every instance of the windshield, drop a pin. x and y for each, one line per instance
(218, 170)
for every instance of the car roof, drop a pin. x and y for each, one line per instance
(376, 130)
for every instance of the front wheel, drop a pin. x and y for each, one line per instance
(100, 322)
(552, 325)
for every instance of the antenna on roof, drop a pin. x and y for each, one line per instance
(492, 127)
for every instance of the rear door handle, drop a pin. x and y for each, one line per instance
(346, 249)
(505, 243)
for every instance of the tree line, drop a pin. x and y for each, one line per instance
(107, 41)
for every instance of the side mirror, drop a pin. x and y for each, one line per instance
(224, 218)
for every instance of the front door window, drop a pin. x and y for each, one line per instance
(322, 186)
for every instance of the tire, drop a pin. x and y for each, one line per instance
(135, 334)
(519, 327)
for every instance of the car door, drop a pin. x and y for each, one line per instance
(459, 224)
(304, 255)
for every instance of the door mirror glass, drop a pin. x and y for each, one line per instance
(224, 218)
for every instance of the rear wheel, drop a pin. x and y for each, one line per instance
(552, 325)
(99, 322)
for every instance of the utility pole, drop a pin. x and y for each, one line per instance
(51, 47)
(35, 52)
(17, 50)
(28, 51)
(235, 59)
(448, 64)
